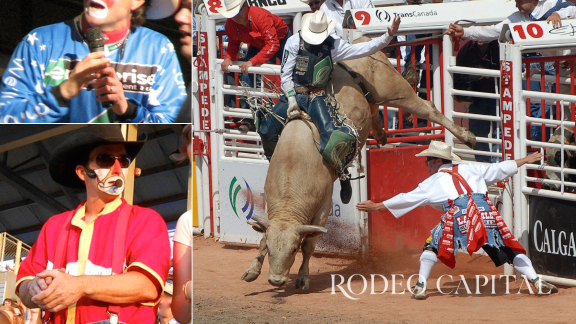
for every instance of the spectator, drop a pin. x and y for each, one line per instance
(314, 4)
(478, 54)
(337, 8)
(164, 311)
(528, 10)
(57, 79)
(125, 279)
(181, 303)
(264, 32)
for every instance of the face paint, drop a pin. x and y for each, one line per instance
(109, 186)
(98, 8)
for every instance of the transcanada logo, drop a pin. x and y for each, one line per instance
(235, 188)
(414, 14)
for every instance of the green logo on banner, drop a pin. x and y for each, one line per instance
(233, 194)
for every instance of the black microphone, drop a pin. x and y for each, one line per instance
(118, 183)
(95, 41)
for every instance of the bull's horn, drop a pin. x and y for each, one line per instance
(263, 222)
(311, 230)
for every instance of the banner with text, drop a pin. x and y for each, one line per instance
(203, 81)
(540, 33)
(507, 110)
(278, 7)
(433, 15)
(552, 244)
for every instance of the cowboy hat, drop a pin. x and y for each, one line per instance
(440, 150)
(231, 8)
(75, 150)
(316, 27)
(160, 9)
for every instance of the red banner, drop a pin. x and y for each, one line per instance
(507, 110)
(204, 81)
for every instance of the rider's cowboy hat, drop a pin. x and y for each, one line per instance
(440, 150)
(75, 150)
(316, 27)
(230, 8)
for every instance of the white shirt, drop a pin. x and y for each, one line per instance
(438, 188)
(183, 233)
(342, 51)
(333, 9)
(492, 32)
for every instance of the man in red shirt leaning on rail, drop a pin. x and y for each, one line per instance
(266, 34)
(106, 261)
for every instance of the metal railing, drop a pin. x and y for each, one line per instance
(12, 252)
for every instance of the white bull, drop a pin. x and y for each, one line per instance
(299, 183)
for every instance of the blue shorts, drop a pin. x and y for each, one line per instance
(460, 240)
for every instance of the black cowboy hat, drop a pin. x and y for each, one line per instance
(75, 151)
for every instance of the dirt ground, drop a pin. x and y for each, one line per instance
(220, 296)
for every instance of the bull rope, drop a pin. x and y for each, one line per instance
(263, 104)
(330, 100)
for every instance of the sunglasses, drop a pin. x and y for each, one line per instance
(313, 3)
(107, 160)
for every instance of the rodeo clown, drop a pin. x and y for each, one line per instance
(56, 77)
(106, 261)
(459, 190)
(306, 68)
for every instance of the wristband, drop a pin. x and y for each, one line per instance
(291, 93)
(130, 112)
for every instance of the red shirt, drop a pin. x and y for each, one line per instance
(89, 252)
(265, 30)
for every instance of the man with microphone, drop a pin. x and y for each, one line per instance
(106, 261)
(54, 76)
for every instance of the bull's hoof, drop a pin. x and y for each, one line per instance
(250, 276)
(303, 283)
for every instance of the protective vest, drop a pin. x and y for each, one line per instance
(314, 63)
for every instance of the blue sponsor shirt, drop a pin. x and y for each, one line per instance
(148, 70)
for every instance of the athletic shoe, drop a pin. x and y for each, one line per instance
(543, 287)
(418, 291)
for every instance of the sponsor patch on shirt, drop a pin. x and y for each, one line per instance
(301, 64)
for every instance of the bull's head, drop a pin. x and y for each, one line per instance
(282, 242)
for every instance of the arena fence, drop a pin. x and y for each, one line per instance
(12, 251)
(540, 114)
